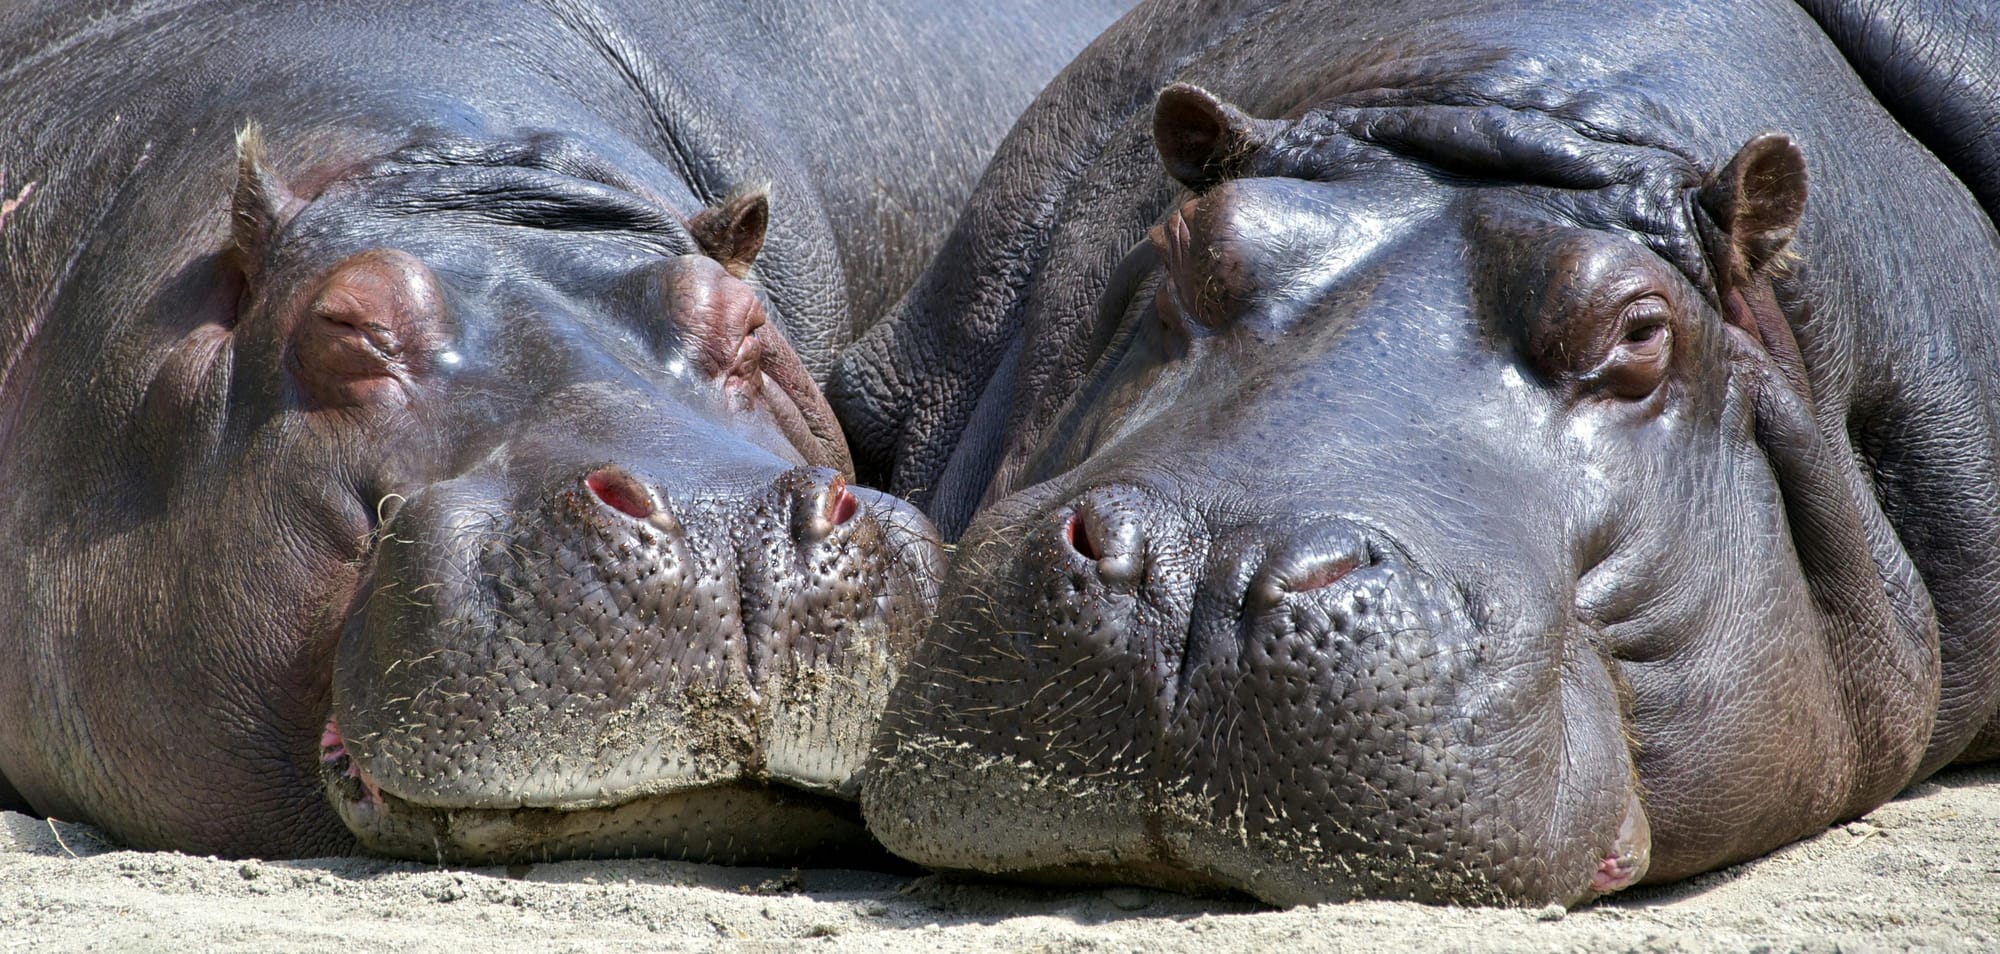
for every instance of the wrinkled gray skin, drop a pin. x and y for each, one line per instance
(1475, 466)
(428, 464)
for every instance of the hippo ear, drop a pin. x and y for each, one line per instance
(260, 203)
(1755, 202)
(1203, 140)
(733, 233)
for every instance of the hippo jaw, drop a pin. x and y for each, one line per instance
(747, 823)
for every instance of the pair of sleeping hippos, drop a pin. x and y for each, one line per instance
(1453, 460)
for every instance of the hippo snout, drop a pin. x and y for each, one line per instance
(1117, 531)
(819, 500)
(1127, 552)
(1176, 692)
(613, 657)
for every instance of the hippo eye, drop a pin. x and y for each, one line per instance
(719, 321)
(1638, 361)
(1645, 341)
(367, 330)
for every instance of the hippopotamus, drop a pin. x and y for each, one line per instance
(411, 423)
(1468, 452)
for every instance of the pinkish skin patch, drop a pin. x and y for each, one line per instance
(332, 749)
(1630, 853)
(8, 206)
(840, 503)
(1615, 874)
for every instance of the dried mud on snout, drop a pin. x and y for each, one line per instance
(1920, 873)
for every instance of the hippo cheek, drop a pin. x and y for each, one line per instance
(606, 671)
(1302, 721)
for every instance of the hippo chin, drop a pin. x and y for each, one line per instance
(443, 468)
(1451, 460)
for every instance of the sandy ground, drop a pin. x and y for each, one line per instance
(1921, 873)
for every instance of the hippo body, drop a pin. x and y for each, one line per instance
(400, 437)
(1445, 450)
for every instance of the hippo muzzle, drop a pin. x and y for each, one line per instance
(556, 659)
(1300, 711)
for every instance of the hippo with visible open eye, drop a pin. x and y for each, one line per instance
(1447, 450)
(409, 415)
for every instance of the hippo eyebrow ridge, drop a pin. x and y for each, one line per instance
(1598, 179)
(542, 181)
(529, 197)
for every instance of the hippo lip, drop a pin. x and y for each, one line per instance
(1631, 852)
(345, 775)
(704, 822)
(342, 771)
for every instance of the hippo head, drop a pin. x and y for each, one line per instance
(600, 584)
(1442, 514)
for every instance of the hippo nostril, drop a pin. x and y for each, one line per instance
(1326, 573)
(841, 506)
(817, 515)
(1079, 538)
(1319, 559)
(621, 492)
(1108, 529)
